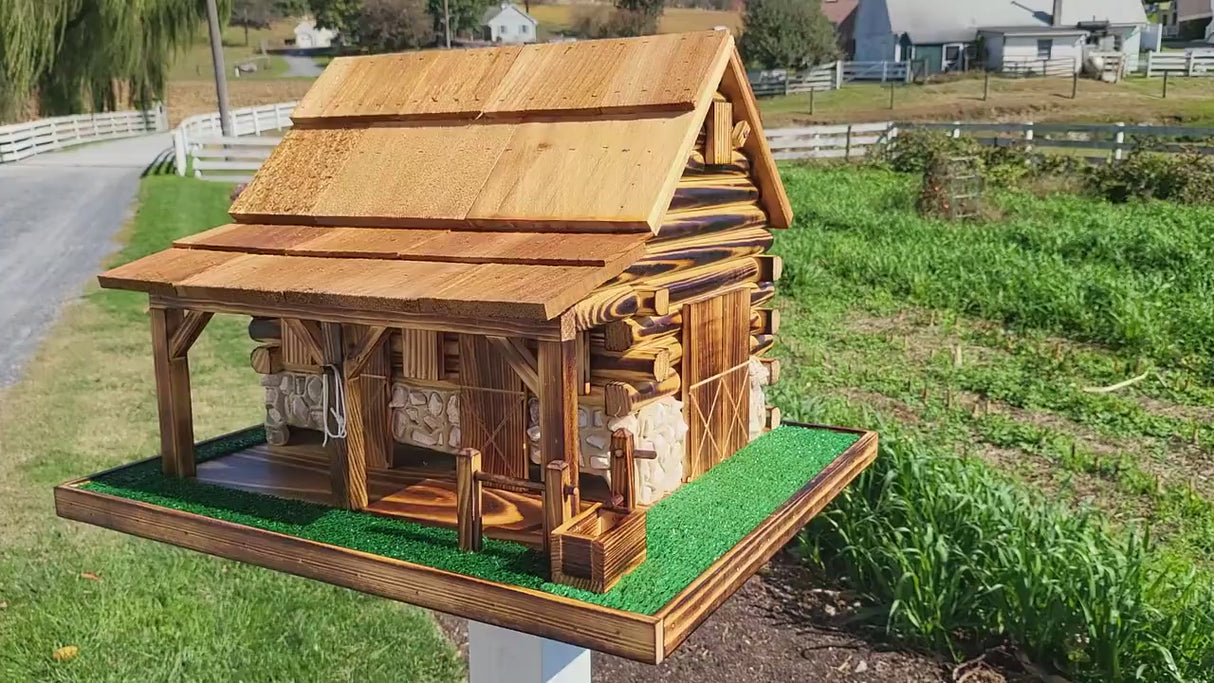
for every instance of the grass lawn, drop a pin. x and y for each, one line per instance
(979, 351)
(141, 610)
(194, 62)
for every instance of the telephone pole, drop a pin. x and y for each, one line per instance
(221, 73)
(447, 23)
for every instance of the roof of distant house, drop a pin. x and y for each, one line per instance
(838, 10)
(492, 12)
(945, 21)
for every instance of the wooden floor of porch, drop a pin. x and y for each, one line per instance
(423, 494)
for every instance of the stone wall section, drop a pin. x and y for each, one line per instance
(426, 416)
(760, 377)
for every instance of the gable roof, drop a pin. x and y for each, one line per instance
(500, 183)
(943, 21)
(837, 11)
(492, 12)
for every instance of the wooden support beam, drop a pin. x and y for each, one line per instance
(368, 375)
(583, 362)
(741, 133)
(718, 138)
(191, 326)
(558, 504)
(520, 359)
(422, 354)
(347, 467)
(653, 300)
(468, 495)
(621, 398)
(307, 332)
(764, 321)
(558, 379)
(265, 329)
(623, 483)
(172, 394)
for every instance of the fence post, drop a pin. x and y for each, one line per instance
(179, 157)
(468, 499)
(1119, 141)
(1150, 59)
(838, 74)
(847, 148)
(557, 509)
(1188, 63)
(884, 70)
(1028, 137)
(986, 86)
(956, 129)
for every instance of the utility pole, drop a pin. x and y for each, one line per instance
(221, 73)
(446, 23)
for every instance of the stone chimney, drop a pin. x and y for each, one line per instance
(1057, 18)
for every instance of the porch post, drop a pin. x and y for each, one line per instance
(558, 379)
(347, 467)
(173, 393)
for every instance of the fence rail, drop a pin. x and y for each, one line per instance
(22, 140)
(1180, 64)
(1063, 66)
(199, 144)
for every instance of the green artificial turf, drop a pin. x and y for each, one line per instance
(686, 532)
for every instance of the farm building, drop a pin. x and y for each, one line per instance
(954, 35)
(507, 23)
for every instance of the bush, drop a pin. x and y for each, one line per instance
(1187, 178)
(599, 21)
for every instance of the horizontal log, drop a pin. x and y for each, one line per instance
(762, 292)
(265, 329)
(620, 398)
(691, 284)
(696, 166)
(772, 418)
(633, 377)
(764, 321)
(655, 362)
(761, 344)
(773, 369)
(266, 359)
(718, 218)
(669, 255)
(622, 335)
(771, 267)
(616, 302)
(695, 193)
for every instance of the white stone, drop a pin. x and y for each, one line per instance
(533, 433)
(400, 396)
(583, 418)
(422, 438)
(271, 380)
(600, 462)
(299, 410)
(286, 383)
(274, 417)
(417, 398)
(453, 408)
(315, 389)
(597, 441)
(453, 437)
(435, 404)
(277, 436)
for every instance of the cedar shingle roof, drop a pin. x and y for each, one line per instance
(502, 182)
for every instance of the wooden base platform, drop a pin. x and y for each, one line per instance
(422, 494)
(643, 637)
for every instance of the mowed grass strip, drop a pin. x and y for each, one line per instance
(139, 610)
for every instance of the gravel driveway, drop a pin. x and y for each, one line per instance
(59, 213)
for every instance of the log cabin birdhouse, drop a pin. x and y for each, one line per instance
(519, 292)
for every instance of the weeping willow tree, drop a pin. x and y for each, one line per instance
(78, 55)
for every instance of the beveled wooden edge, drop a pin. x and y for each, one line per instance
(547, 330)
(625, 634)
(646, 639)
(698, 601)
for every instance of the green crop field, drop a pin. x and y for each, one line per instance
(1017, 497)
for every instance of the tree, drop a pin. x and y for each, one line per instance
(786, 34)
(393, 25)
(93, 54)
(649, 8)
(338, 15)
(253, 14)
(465, 15)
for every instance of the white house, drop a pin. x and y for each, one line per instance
(945, 35)
(308, 36)
(506, 23)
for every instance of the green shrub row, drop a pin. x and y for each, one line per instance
(1186, 178)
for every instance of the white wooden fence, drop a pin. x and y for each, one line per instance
(826, 77)
(876, 71)
(844, 141)
(1063, 66)
(1189, 63)
(21, 140)
(200, 147)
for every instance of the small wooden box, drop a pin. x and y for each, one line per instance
(593, 550)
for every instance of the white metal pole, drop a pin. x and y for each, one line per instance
(499, 655)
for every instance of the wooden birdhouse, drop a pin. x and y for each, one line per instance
(522, 293)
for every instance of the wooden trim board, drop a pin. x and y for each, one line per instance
(644, 638)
